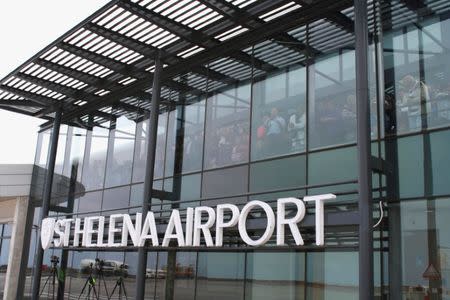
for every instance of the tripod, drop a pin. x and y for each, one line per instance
(53, 275)
(90, 284)
(121, 285)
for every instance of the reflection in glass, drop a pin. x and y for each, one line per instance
(95, 160)
(279, 114)
(332, 103)
(227, 127)
(140, 151)
(416, 71)
(120, 152)
(116, 198)
(275, 276)
(332, 275)
(220, 276)
(175, 276)
(185, 139)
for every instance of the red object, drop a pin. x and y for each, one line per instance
(261, 132)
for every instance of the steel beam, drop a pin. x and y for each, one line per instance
(289, 21)
(152, 134)
(366, 287)
(36, 282)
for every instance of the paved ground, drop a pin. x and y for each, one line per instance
(210, 289)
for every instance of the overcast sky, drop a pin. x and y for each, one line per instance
(27, 26)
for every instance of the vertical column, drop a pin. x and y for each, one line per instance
(363, 143)
(46, 203)
(149, 172)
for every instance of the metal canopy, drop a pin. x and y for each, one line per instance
(107, 61)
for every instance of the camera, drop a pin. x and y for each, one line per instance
(54, 259)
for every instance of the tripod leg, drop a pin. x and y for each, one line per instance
(95, 292)
(82, 290)
(45, 284)
(114, 289)
(104, 284)
(124, 289)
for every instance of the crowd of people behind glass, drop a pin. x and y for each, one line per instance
(280, 129)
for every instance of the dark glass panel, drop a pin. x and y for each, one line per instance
(90, 202)
(226, 182)
(220, 276)
(279, 114)
(278, 174)
(116, 198)
(332, 166)
(440, 158)
(120, 152)
(275, 276)
(227, 127)
(410, 166)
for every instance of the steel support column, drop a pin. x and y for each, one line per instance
(51, 158)
(152, 133)
(363, 143)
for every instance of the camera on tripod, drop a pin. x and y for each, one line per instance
(54, 259)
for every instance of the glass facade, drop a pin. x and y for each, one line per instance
(284, 127)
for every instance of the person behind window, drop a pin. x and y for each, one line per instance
(414, 98)
(275, 134)
(261, 134)
(296, 128)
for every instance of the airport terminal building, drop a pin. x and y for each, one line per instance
(239, 149)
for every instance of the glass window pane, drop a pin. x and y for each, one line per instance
(220, 276)
(226, 182)
(275, 276)
(184, 188)
(416, 72)
(279, 114)
(185, 139)
(227, 127)
(332, 103)
(120, 152)
(329, 166)
(278, 174)
(90, 202)
(410, 166)
(326, 279)
(95, 160)
(176, 275)
(140, 151)
(116, 198)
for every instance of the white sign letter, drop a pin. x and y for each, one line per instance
(174, 223)
(199, 227)
(292, 222)
(243, 219)
(220, 224)
(134, 231)
(149, 225)
(112, 230)
(319, 199)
